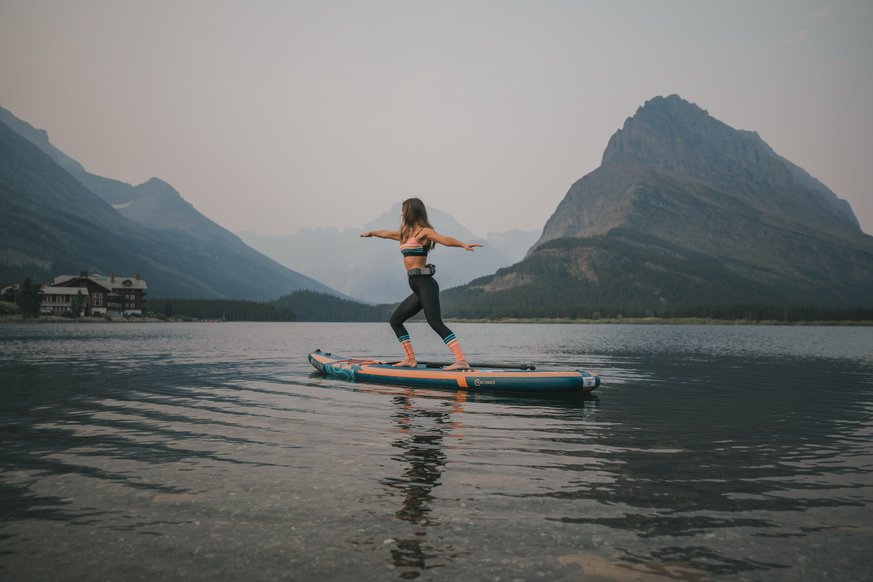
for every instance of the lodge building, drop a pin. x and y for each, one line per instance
(97, 295)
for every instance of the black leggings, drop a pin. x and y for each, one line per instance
(425, 295)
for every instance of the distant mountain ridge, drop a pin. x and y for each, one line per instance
(371, 269)
(686, 211)
(39, 138)
(58, 219)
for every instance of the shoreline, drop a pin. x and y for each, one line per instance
(664, 321)
(46, 319)
(58, 319)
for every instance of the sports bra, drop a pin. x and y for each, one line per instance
(413, 248)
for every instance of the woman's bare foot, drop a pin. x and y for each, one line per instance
(459, 365)
(407, 363)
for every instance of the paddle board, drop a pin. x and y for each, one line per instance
(475, 379)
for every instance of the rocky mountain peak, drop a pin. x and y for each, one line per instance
(673, 108)
(675, 135)
(685, 210)
(157, 188)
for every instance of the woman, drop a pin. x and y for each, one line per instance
(417, 237)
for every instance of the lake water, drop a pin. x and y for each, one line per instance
(213, 451)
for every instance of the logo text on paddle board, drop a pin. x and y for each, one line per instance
(479, 382)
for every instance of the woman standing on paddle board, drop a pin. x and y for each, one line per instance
(417, 237)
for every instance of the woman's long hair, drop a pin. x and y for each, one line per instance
(414, 217)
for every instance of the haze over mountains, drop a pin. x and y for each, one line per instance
(371, 269)
(60, 219)
(683, 212)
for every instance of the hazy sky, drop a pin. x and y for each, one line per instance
(272, 116)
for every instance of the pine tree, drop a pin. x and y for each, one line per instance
(77, 305)
(29, 298)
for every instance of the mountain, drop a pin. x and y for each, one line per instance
(371, 269)
(39, 138)
(683, 212)
(54, 222)
(513, 244)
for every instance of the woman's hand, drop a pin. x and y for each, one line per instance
(469, 247)
(367, 234)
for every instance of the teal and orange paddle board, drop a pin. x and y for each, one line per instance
(480, 377)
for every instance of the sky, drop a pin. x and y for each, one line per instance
(272, 116)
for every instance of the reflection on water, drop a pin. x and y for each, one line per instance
(421, 433)
(214, 451)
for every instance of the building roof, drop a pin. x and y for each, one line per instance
(111, 282)
(60, 279)
(123, 283)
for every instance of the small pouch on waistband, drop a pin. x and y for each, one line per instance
(426, 271)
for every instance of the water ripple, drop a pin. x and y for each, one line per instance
(709, 454)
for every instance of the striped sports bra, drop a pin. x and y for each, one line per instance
(413, 248)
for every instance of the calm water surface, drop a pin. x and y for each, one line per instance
(204, 451)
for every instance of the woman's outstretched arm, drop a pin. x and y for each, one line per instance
(392, 234)
(448, 241)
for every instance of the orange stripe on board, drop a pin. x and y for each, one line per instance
(410, 373)
(416, 373)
